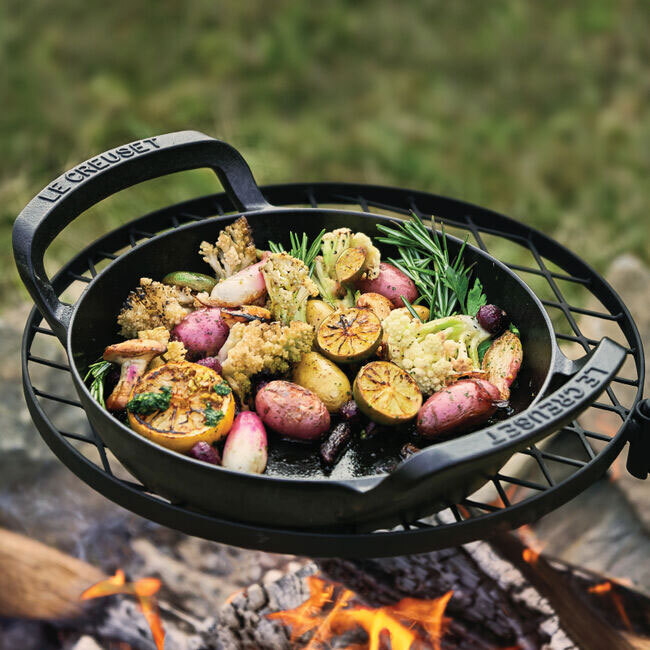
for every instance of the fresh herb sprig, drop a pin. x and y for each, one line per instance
(98, 371)
(424, 257)
(300, 248)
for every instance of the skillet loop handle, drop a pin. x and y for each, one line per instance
(471, 452)
(58, 204)
(638, 453)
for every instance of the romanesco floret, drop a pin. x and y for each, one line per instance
(175, 351)
(233, 251)
(151, 305)
(434, 353)
(263, 347)
(289, 286)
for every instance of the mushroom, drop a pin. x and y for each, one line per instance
(134, 356)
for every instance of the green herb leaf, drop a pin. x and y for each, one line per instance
(212, 416)
(476, 298)
(300, 248)
(412, 311)
(459, 283)
(222, 389)
(98, 371)
(513, 328)
(146, 403)
(483, 348)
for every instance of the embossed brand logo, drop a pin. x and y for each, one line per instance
(552, 408)
(78, 174)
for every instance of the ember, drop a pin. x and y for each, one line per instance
(332, 610)
(144, 590)
(608, 588)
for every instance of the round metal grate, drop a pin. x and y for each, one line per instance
(581, 304)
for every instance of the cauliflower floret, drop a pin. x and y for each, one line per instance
(263, 347)
(373, 256)
(289, 286)
(160, 334)
(151, 305)
(434, 353)
(176, 351)
(233, 251)
(332, 245)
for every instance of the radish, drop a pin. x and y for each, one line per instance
(243, 288)
(246, 446)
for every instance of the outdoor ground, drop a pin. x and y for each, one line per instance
(538, 110)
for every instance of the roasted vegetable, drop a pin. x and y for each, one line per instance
(151, 305)
(292, 410)
(317, 312)
(133, 356)
(391, 283)
(206, 453)
(434, 353)
(378, 304)
(246, 448)
(492, 319)
(202, 332)
(211, 362)
(387, 394)
(322, 377)
(458, 407)
(502, 361)
(350, 411)
(244, 314)
(244, 288)
(330, 289)
(349, 335)
(289, 286)
(262, 347)
(190, 280)
(336, 443)
(233, 251)
(194, 412)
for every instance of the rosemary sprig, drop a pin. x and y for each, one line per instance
(98, 372)
(300, 248)
(424, 257)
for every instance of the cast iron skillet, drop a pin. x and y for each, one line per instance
(369, 488)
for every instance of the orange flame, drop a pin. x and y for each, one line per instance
(144, 590)
(608, 588)
(330, 611)
(530, 556)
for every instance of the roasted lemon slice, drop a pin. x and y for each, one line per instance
(387, 394)
(350, 264)
(349, 335)
(198, 406)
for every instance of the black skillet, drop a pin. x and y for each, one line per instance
(370, 488)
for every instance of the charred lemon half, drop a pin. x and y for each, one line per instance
(350, 264)
(387, 394)
(180, 404)
(349, 335)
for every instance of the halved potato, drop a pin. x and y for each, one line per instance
(196, 411)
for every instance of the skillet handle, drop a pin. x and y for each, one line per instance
(594, 372)
(63, 200)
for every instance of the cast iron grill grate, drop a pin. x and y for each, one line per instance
(535, 481)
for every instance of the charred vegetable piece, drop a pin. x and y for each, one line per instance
(195, 412)
(202, 332)
(502, 361)
(349, 335)
(350, 265)
(378, 304)
(492, 319)
(387, 394)
(324, 378)
(211, 362)
(332, 449)
(350, 411)
(317, 312)
(246, 447)
(292, 410)
(458, 407)
(205, 452)
(245, 314)
(408, 450)
(190, 280)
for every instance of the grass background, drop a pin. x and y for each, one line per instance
(538, 110)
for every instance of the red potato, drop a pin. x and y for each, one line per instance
(502, 362)
(390, 283)
(292, 410)
(246, 447)
(202, 332)
(460, 406)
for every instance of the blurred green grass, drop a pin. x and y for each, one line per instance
(538, 110)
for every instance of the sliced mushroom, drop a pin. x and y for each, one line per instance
(134, 356)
